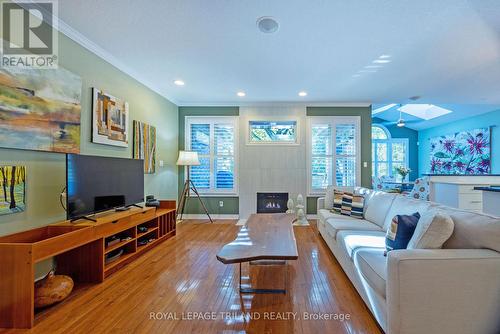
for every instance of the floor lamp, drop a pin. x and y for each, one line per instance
(188, 159)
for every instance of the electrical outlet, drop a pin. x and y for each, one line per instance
(365, 164)
(161, 163)
(221, 204)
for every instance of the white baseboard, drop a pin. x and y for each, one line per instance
(214, 216)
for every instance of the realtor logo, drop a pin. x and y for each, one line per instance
(29, 34)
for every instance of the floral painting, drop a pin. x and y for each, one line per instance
(466, 152)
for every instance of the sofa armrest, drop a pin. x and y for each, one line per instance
(320, 204)
(443, 291)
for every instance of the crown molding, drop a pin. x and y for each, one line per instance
(275, 104)
(83, 41)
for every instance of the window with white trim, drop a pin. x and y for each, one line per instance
(334, 152)
(387, 153)
(215, 140)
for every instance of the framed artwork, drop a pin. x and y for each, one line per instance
(109, 119)
(40, 109)
(12, 189)
(145, 145)
(465, 152)
(272, 132)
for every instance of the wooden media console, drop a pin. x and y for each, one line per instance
(80, 252)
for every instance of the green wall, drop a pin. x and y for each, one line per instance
(46, 171)
(366, 140)
(231, 204)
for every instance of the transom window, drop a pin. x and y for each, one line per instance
(387, 153)
(272, 132)
(333, 152)
(215, 140)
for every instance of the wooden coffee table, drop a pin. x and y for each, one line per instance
(266, 239)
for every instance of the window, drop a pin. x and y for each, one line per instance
(272, 132)
(387, 153)
(215, 140)
(334, 152)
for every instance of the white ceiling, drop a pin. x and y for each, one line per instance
(446, 51)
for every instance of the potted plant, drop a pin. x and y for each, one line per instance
(402, 171)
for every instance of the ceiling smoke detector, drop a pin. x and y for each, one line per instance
(267, 24)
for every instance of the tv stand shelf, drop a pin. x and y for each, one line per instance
(79, 249)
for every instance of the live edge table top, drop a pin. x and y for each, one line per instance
(263, 237)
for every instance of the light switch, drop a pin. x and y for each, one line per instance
(365, 164)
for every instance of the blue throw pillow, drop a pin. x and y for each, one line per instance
(401, 230)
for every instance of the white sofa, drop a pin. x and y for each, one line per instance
(451, 290)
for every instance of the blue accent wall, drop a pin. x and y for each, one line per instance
(480, 121)
(412, 135)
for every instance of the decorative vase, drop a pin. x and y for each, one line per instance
(52, 289)
(289, 205)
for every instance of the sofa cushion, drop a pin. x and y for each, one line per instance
(377, 205)
(472, 230)
(352, 205)
(337, 201)
(372, 265)
(433, 229)
(401, 231)
(350, 240)
(403, 205)
(330, 190)
(340, 223)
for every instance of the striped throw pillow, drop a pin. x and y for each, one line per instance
(352, 205)
(337, 201)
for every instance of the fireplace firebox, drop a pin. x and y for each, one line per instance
(271, 202)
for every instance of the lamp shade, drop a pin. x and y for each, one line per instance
(188, 158)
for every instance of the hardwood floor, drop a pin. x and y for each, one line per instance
(182, 276)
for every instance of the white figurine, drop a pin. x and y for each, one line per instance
(289, 205)
(300, 200)
(301, 218)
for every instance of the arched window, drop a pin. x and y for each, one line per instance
(380, 132)
(387, 152)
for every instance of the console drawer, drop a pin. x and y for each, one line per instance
(471, 201)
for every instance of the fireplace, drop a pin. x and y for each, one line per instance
(271, 202)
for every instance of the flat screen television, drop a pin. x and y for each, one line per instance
(96, 184)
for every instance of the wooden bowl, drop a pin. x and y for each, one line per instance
(52, 289)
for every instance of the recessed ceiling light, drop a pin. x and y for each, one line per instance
(385, 56)
(241, 94)
(367, 71)
(381, 61)
(302, 93)
(267, 24)
(179, 82)
(373, 66)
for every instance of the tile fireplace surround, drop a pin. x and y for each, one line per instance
(271, 202)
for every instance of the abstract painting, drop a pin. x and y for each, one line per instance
(145, 145)
(109, 119)
(466, 152)
(12, 189)
(40, 109)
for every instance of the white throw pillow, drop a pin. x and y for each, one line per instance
(329, 197)
(433, 229)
